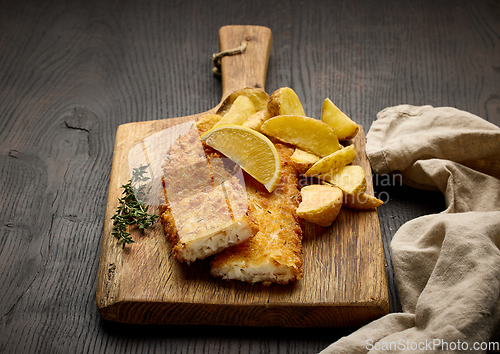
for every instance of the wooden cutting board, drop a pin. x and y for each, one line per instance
(344, 281)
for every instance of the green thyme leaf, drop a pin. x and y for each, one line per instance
(131, 211)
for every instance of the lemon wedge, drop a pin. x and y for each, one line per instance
(253, 151)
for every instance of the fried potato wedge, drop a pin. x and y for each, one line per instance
(256, 120)
(344, 127)
(306, 133)
(320, 204)
(351, 178)
(206, 122)
(284, 101)
(361, 201)
(333, 161)
(258, 96)
(303, 160)
(240, 110)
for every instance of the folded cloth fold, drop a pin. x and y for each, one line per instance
(404, 134)
(447, 265)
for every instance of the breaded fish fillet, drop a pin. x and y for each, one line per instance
(206, 208)
(274, 254)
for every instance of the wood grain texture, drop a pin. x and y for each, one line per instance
(72, 72)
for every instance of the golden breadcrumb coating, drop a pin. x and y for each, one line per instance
(274, 254)
(206, 208)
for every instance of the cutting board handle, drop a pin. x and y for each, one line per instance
(248, 69)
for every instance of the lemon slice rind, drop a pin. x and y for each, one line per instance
(251, 150)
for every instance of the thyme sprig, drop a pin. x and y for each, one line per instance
(131, 210)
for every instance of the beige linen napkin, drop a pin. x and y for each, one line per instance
(447, 265)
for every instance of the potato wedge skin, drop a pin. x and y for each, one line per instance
(333, 161)
(284, 101)
(307, 133)
(302, 160)
(361, 201)
(344, 127)
(351, 179)
(320, 204)
(240, 110)
(259, 98)
(256, 120)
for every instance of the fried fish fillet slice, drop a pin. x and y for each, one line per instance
(274, 254)
(208, 222)
(202, 214)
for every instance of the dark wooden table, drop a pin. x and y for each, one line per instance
(72, 71)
